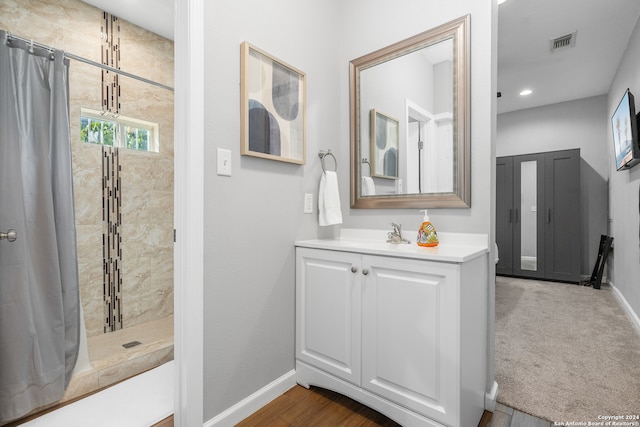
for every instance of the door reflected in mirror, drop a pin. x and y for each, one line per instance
(430, 151)
(416, 153)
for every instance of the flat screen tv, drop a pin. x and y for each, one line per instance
(624, 124)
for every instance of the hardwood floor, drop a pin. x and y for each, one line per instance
(167, 422)
(315, 407)
(318, 407)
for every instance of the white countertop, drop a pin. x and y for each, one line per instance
(453, 247)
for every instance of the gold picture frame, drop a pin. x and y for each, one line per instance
(272, 107)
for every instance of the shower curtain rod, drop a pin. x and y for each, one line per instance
(88, 61)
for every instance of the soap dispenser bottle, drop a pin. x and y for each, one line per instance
(427, 235)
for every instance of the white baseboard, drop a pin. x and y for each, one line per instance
(253, 403)
(635, 320)
(491, 398)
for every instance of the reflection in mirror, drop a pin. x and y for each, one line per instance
(384, 145)
(416, 153)
(430, 151)
(528, 214)
(424, 98)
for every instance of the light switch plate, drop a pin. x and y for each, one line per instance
(308, 203)
(224, 162)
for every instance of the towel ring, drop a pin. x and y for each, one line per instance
(364, 160)
(323, 154)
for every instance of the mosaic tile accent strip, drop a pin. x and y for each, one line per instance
(110, 30)
(112, 238)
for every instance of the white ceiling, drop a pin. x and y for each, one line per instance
(152, 15)
(525, 28)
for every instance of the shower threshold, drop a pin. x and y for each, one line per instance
(141, 401)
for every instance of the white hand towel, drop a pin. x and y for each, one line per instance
(368, 187)
(329, 212)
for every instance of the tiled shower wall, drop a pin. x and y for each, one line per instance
(147, 178)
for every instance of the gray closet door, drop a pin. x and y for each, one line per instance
(562, 215)
(538, 215)
(505, 215)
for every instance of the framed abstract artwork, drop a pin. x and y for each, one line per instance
(385, 136)
(272, 107)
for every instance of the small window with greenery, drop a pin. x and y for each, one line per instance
(120, 131)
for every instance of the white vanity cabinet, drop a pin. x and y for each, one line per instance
(328, 312)
(403, 335)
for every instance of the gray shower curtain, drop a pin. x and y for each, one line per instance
(39, 298)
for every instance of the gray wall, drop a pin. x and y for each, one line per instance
(253, 217)
(443, 74)
(623, 186)
(574, 124)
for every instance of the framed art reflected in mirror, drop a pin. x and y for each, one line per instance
(384, 145)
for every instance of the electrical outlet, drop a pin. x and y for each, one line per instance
(308, 203)
(224, 162)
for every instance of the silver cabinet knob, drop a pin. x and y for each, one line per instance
(354, 269)
(10, 235)
(365, 271)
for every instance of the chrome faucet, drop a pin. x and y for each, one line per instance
(395, 236)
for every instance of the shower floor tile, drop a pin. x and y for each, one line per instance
(111, 362)
(114, 362)
(106, 350)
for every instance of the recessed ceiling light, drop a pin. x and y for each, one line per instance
(526, 92)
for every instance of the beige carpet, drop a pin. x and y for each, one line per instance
(565, 353)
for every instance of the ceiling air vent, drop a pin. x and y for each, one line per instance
(563, 42)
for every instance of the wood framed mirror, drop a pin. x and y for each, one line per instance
(423, 82)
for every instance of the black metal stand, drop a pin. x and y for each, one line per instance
(603, 253)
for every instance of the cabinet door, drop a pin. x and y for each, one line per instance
(410, 330)
(328, 314)
(563, 241)
(505, 214)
